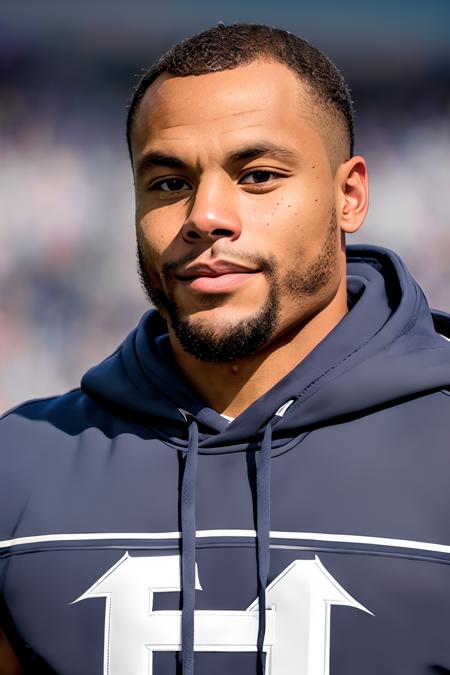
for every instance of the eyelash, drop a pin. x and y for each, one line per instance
(157, 185)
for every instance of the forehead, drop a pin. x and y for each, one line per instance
(262, 98)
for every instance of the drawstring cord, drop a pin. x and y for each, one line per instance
(188, 533)
(188, 529)
(263, 467)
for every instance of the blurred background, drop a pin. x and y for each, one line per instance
(69, 291)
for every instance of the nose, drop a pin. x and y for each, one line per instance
(214, 212)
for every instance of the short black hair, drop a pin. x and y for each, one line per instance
(226, 47)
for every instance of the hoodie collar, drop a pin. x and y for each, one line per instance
(387, 338)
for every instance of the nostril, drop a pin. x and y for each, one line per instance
(221, 233)
(193, 231)
(192, 234)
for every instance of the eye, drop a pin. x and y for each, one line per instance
(258, 177)
(171, 185)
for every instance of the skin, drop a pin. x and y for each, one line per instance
(295, 214)
(9, 663)
(219, 209)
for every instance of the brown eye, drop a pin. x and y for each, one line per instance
(171, 185)
(255, 177)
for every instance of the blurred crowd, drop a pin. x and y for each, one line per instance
(69, 292)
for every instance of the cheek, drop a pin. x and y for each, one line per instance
(153, 234)
(150, 255)
(304, 239)
(304, 208)
(298, 229)
(314, 202)
(159, 221)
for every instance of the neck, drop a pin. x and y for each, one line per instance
(233, 386)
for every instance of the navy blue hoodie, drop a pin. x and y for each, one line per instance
(134, 520)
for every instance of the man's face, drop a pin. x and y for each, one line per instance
(235, 208)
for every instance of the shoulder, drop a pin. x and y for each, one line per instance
(45, 407)
(69, 413)
(40, 440)
(30, 433)
(40, 418)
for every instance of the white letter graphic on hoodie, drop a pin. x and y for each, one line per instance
(297, 637)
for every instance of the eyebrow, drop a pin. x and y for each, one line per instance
(154, 158)
(266, 149)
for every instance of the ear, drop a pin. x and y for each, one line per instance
(352, 194)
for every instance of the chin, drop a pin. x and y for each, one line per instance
(227, 336)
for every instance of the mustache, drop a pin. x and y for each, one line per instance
(266, 264)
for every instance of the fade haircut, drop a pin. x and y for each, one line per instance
(227, 47)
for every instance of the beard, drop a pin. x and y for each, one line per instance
(206, 342)
(243, 338)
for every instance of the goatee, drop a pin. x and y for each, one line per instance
(202, 341)
(230, 341)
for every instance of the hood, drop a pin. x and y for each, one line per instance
(389, 346)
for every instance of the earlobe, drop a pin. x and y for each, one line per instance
(352, 194)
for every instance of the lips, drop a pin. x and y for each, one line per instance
(215, 269)
(217, 277)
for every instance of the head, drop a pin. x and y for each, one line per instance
(241, 140)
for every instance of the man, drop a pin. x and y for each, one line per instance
(257, 479)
